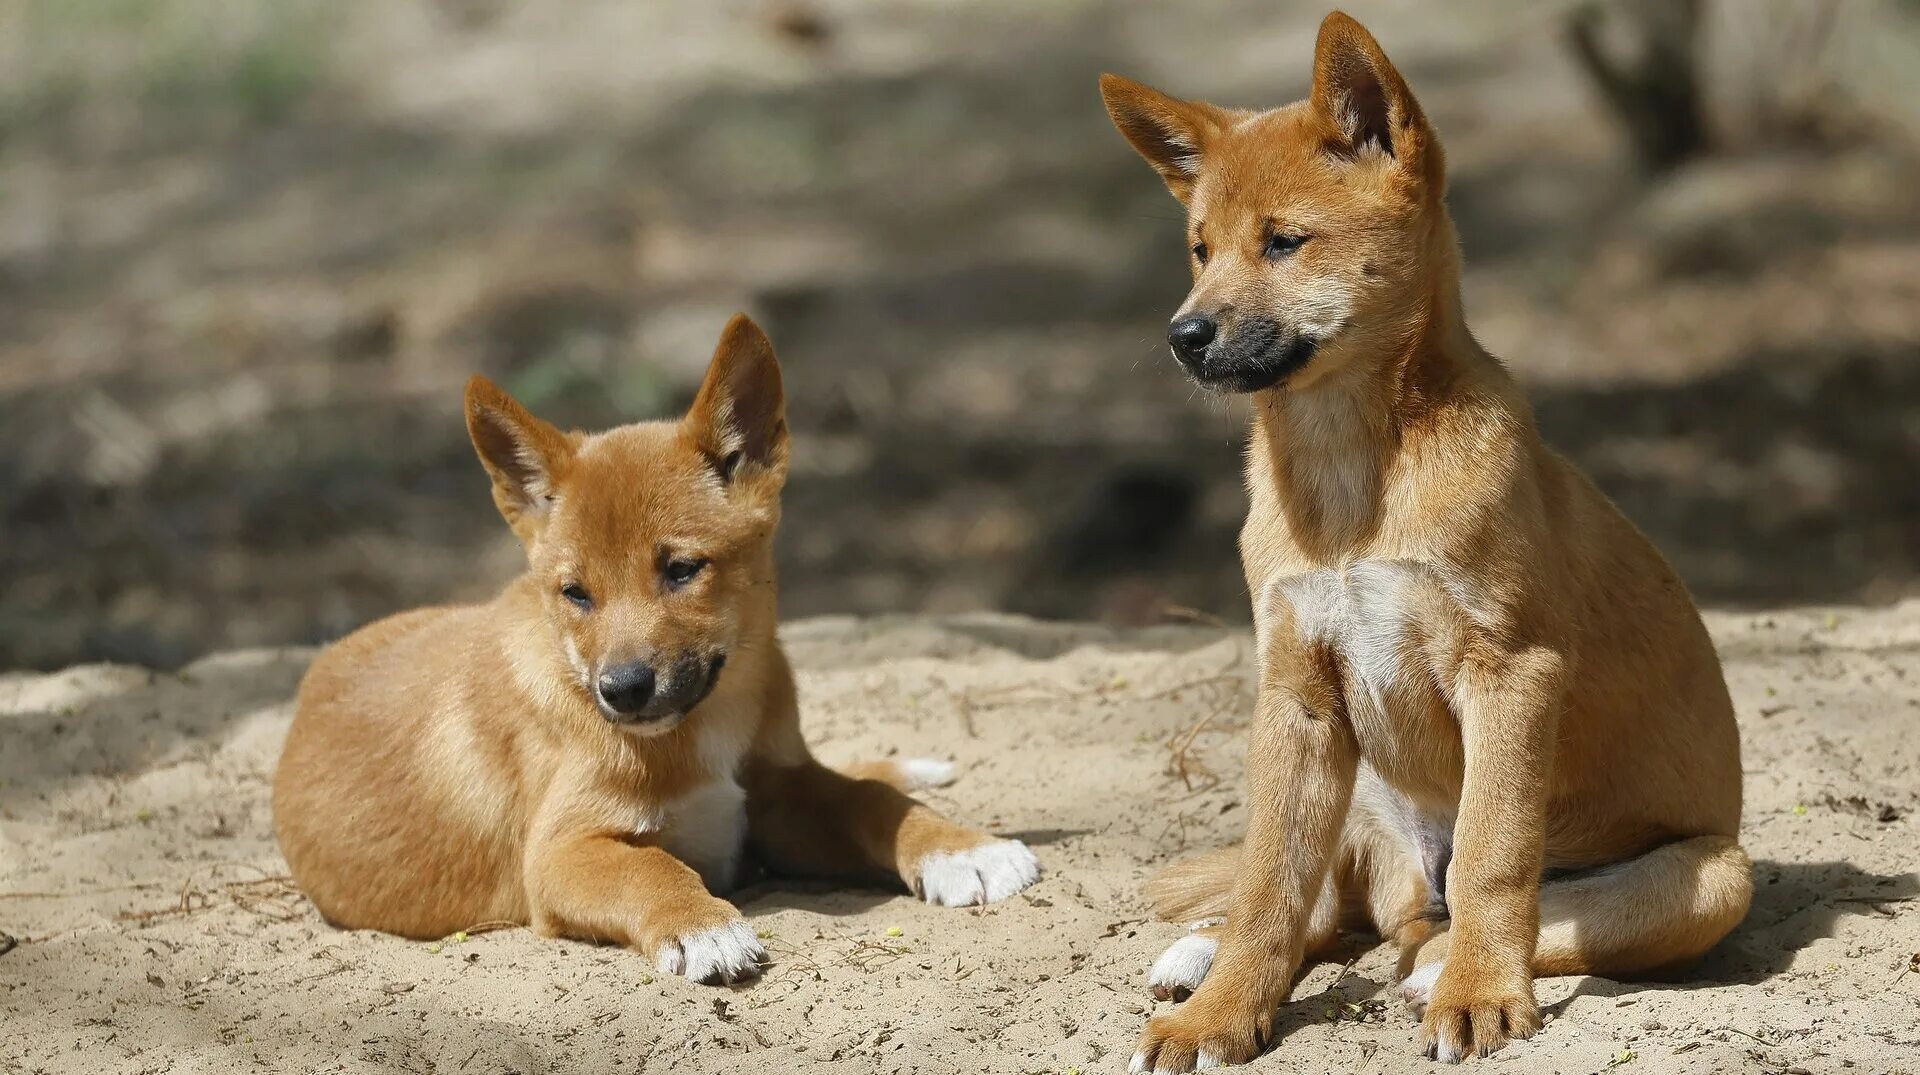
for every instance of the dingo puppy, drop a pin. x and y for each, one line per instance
(591, 751)
(1489, 719)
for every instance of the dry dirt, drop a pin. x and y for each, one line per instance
(157, 933)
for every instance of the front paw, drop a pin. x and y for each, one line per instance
(719, 953)
(1195, 1036)
(992, 871)
(1474, 1014)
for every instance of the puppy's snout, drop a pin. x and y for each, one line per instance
(1190, 337)
(626, 689)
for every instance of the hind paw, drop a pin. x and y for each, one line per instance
(1183, 966)
(1416, 989)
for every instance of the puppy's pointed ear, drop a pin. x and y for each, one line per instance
(1359, 90)
(1170, 133)
(739, 417)
(526, 458)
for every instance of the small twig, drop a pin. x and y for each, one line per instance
(1755, 1037)
(1187, 614)
(1912, 967)
(490, 927)
(78, 892)
(241, 894)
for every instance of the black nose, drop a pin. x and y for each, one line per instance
(1189, 338)
(626, 689)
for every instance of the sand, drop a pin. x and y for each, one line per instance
(156, 931)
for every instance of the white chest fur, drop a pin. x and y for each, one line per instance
(1381, 617)
(705, 828)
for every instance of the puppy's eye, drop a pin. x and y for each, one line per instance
(1200, 253)
(678, 572)
(578, 595)
(1282, 244)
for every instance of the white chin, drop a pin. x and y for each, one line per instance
(647, 729)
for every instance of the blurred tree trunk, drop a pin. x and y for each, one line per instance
(1643, 56)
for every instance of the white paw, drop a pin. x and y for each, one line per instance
(730, 953)
(1206, 1059)
(992, 871)
(1182, 967)
(920, 773)
(1416, 989)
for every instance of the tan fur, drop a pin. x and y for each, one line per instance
(450, 766)
(1460, 637)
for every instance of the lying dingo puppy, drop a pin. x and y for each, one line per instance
(591, 751)
(1489, 719)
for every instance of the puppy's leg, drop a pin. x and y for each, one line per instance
(1645, 917)
(808, 820)
(1301, 761)
(610, 887)
(1484, 996)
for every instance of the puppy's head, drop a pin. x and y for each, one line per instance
(649, 544)
(1308, 226)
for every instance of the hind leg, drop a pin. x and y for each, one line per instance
(1373, 873)
(1646, 917)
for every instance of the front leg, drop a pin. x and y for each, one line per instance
(805, 819)
(1483, 995)
(607, 886)
(1301, 762)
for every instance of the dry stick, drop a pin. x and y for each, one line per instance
(138, 886)
(1912, 967)
(489, 927)
(1188, 614)
(1180, 761)
(237, 892)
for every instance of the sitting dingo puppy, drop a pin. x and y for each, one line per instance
(1489, 719)
(591, 751)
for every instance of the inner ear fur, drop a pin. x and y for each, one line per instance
(739, 416)
(1170, 133)
(525, 456)
(1369, 103)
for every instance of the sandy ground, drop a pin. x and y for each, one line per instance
(156, 933)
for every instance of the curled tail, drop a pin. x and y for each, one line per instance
(1197, 887)
(905, 774)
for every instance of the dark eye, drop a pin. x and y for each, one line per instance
(577, 594)
(1282, 244)
(680, 571)
(1200, 253)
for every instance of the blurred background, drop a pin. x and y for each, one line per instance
(250, 251)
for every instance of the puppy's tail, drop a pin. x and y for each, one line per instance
(1197, 887)
(905, 774)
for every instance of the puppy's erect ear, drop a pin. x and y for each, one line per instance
(739, 417)
(525, 457)
(1170, 133)
(1359, 90)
